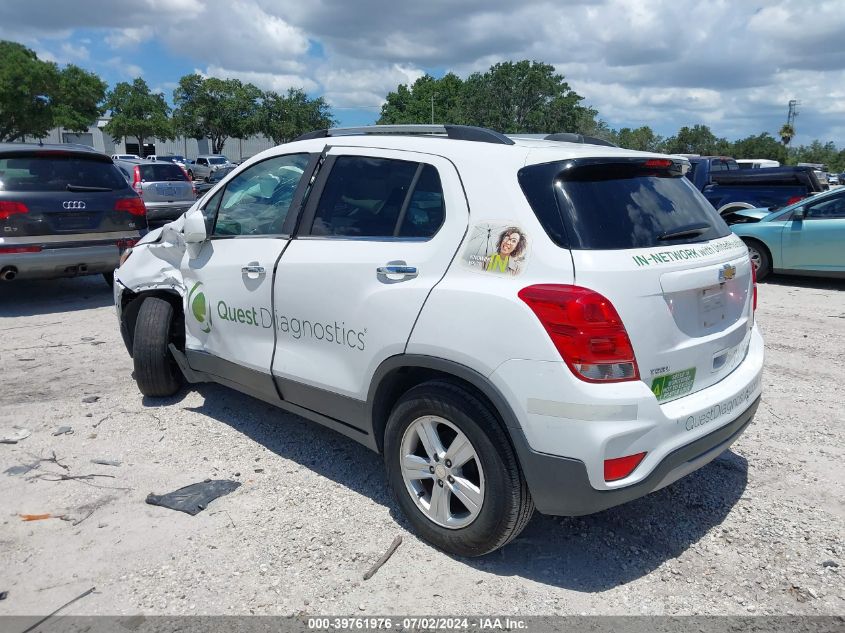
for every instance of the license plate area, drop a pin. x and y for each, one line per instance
(711, 306)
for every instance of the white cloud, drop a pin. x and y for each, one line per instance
(666, 63)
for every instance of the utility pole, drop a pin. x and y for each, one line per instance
(793, 112)
(433, 94)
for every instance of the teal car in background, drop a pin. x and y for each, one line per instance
(805, 238)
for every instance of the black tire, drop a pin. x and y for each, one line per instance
(109, 277)
(156, 373)
(760, 257)
(506, 504)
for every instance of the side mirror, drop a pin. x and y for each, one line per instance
(193, 229)
(799, 213)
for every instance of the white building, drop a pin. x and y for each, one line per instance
(96, 137)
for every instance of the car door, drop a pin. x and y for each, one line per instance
(815, 241)
(229, 279)
(380, 229)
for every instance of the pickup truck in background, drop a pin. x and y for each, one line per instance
(729, 188)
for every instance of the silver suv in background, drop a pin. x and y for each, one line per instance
(165, 188)
(206, 164)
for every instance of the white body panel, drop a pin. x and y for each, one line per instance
(332, 284)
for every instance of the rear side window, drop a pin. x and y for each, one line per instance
(159, 172)
(40, 172)
(379, 197)
(609, 205)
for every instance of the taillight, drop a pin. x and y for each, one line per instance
(135, 206)
(754, 284)
(794, 199)
(137, 183)
(9, 208)
(621, 467)
(7, 250)
(659, 163)
(189, 179)
(586, 330)
(124, 244)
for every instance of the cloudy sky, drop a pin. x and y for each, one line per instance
(733, 65)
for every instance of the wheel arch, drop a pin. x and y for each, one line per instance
(733, 206)
(396, 375)
(761, 242)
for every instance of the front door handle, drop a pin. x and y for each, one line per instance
(397, 270)
(252, 269)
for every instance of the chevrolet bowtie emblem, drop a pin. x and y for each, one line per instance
(727, 272)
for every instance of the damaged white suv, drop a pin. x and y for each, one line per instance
(513, 323)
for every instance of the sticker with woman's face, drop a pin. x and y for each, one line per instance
(496, 247)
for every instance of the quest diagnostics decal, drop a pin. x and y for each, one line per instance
(198, 307)
(656, 258)
(496, 247)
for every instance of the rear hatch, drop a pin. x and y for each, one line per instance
(641, 235)
(165, 183)
(58, 192)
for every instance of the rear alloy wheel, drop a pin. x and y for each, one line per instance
(453, 471)
(759, 258)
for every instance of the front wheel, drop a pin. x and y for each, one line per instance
(156, 372)
(759, 258)
(453, 471)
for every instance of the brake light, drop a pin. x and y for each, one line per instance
(586, 330)
(8, 208)
(7, 250)
(794, 199)
(754, 284)
(659, 163)
(134, 206)
(189, 179)
(124, 244)
(621, 467)
(137, 183)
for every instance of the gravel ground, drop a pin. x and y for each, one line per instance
(758, 531)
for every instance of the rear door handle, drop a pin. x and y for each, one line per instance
(252, 269)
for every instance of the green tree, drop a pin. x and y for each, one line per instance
(427, 100)
(818, 152)
(698, 139)
(786, 132)
(137, 112)
(36, 95)
(510, 97)
(216, 109)
(642, 139)
(760, 146)
(524, 96)
(285, 117)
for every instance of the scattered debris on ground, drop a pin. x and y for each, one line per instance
(63, 430)
(18, 433)
(383, 558)
(195, 498)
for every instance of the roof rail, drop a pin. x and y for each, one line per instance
(455, 132)
(571, 137)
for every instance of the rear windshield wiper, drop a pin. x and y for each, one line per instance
(71, 187)
(690, 230)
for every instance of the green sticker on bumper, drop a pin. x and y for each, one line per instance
(673, 385)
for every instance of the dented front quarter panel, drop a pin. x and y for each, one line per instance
(155, 262)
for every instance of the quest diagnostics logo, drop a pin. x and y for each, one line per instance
(198, 307)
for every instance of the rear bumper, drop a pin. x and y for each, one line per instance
(159, 215)
(52, 263)
(561, 486)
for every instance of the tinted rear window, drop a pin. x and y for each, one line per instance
(157, 172)
(218, 160)
(617, 205)
(39, 172)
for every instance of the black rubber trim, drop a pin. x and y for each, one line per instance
(336, 406)
(560, 486)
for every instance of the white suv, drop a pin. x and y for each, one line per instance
(514, 323)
